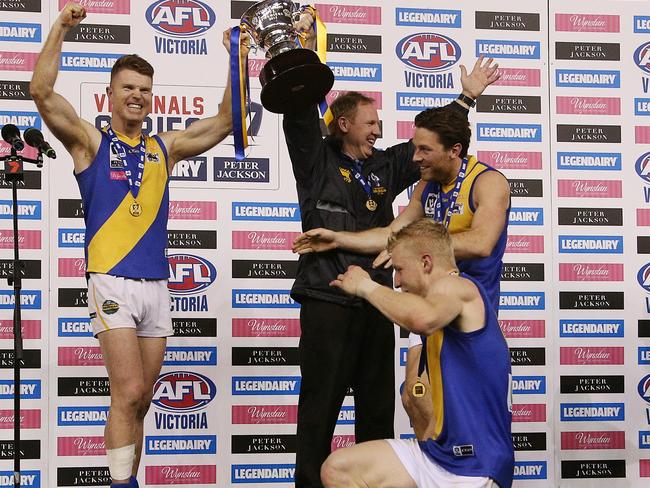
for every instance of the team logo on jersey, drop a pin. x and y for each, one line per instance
(346, 174)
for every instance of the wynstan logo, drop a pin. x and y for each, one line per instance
(264, 414)
(428, 51)
(189, 18)
(182, 391)
(349, 14)
(102, 7)
(529, 412)
(203, 475)
(519, 77)
(591, 272)
(520, 244)
(592, 355)
(189, 274)
(610, 439)
(587, 23)
(642, 57)
(511, 159)
(520, 329)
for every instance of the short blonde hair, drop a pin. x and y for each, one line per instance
(425, 236)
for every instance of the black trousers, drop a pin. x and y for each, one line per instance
(340, 347)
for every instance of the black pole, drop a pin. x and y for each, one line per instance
(14, 173)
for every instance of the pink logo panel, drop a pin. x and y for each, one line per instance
(255, 327)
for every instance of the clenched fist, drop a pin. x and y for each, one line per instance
(71, 15)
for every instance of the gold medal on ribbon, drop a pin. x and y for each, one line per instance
(135, 209)
(371, 205)
(419, 389)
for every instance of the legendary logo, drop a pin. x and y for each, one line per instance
(587, 78)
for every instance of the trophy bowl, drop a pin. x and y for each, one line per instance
(293, 78)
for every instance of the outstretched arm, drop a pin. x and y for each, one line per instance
(79, 137)
(371, 241)
(483, 74)
(204, 134)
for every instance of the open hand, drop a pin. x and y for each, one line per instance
(483, 75)
(315, 240)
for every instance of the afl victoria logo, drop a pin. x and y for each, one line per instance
(428, 51)
(185, 18)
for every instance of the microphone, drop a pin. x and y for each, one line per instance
(11, 134)
(34, 138)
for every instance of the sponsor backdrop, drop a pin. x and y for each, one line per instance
(568, 123)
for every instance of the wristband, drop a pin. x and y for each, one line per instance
(469, 101)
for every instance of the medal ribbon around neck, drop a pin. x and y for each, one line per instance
(119, 148)
(356, 171)
(438, 216)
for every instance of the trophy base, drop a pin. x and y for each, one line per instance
(294, 80)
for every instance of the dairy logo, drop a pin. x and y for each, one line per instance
(29, 299)
(535, 385)
(356, 71)
(589, 161)
(91, 62)
(644, 355)
(587, 78)
(69, 416)
(28, 478)
(75, 327)
(191, 169)
(526, 216)
(262, 473)
(428, 52)
(72, 237)
(530, 470)
(263, 299)
(592, 412)
(642, 106)
(420, 101)
(190, 356)
(189, 274)
(189, 18)
(591, 328)
(574, 244)
(422, 17)
(508, 49)
(182, 391)
(641, 24)
(29, 389)
(172, 444)
(265, 385)
(642, 57)
(18, 32)
(281, 212)
(509, 132)
(22, 120)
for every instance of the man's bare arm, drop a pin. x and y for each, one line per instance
(79, 137)
(492, 200)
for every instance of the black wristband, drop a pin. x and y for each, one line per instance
(469, 101)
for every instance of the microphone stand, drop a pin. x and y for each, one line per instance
(13, 170)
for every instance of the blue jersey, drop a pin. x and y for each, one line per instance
(488, 269)
(470, 380)
(118, 243)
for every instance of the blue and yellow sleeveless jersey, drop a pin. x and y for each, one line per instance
(118, 243)
(487, 270)
(470, 378)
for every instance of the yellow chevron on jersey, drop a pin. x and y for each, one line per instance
(121, 232)
(462, 214)
(434, 370)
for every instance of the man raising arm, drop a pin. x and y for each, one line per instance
(123, 178)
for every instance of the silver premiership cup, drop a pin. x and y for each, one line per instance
(293, 78)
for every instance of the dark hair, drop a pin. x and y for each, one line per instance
(345, 105)
(132, 62)
(450, 126)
